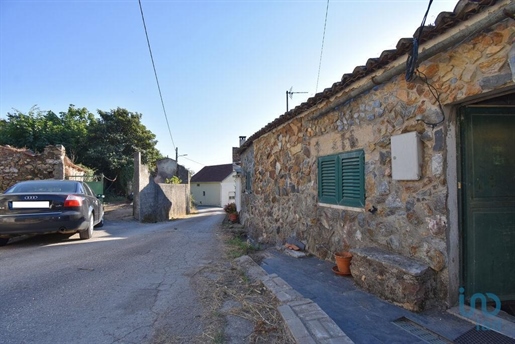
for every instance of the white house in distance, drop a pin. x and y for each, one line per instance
(214, 185)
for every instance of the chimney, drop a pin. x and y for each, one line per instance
(242, 140)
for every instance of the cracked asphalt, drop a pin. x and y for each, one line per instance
(123, 286)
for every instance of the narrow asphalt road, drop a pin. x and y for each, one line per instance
(123, 286)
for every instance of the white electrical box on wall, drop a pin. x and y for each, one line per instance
(406, 156)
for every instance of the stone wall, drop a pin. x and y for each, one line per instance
(18, 164)
(178, 196)
(157, 202)
(412, 216)
(247, 197)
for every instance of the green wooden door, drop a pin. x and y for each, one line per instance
(488, 200)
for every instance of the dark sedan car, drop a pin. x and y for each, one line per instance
(49, 206)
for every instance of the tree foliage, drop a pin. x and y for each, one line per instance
(37, 129)
(116, 136)
(72, 130)
(106, 143)
(30, 130)
(173, 180)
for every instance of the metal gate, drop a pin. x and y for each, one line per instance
(96, 183)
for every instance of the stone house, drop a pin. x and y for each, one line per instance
(416, 178)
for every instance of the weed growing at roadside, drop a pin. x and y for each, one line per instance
(219, 338)
(239, 247)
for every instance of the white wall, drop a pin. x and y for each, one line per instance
(238, 193)
(228, 189)
(215, 194)
(206, 193)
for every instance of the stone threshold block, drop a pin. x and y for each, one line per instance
(401, 280)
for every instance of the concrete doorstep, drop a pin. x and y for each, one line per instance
(307, 322)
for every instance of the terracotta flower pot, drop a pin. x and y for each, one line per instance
(343, 262)
(233, 217)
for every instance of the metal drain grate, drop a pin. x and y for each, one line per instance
(420, 331)
(508, 307)
(483, 337)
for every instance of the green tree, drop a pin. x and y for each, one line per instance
(71, 130)
(29, 130)
(105, 144)
(38, 129)
(114, 138)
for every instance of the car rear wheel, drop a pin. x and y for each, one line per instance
(100, 223)
(3, 241)
(88, 233)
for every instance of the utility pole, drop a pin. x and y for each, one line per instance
(177, 160)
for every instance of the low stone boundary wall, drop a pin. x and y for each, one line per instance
(17, 164)
(404, 281)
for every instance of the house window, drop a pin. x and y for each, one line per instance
(341, 179)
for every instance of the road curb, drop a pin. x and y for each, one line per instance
(306, 321)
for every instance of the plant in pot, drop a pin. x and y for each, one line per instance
(343, 261)
(232, 212)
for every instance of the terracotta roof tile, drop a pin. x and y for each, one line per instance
(444, 21)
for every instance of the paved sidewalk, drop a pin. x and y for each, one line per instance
(322, 307)
(307, 323)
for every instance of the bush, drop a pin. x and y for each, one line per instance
(173, 180)
(230, 208)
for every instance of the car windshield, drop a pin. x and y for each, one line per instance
(43, 186)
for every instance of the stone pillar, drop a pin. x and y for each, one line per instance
(136, 187)
(55, 155)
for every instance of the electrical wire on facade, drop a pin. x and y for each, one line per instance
(155, 73)
(412, 70)
(436, 95)
(322, 49)
(411, 63)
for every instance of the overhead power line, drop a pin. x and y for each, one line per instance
(196, 162)
(155, 73)
(322, 49)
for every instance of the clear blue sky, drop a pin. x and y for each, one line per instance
(223, 66)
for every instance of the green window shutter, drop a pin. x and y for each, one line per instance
(329, 179)
(353, 178)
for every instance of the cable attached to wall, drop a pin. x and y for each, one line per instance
(435, 94)
(411, 63)
(412, 71)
